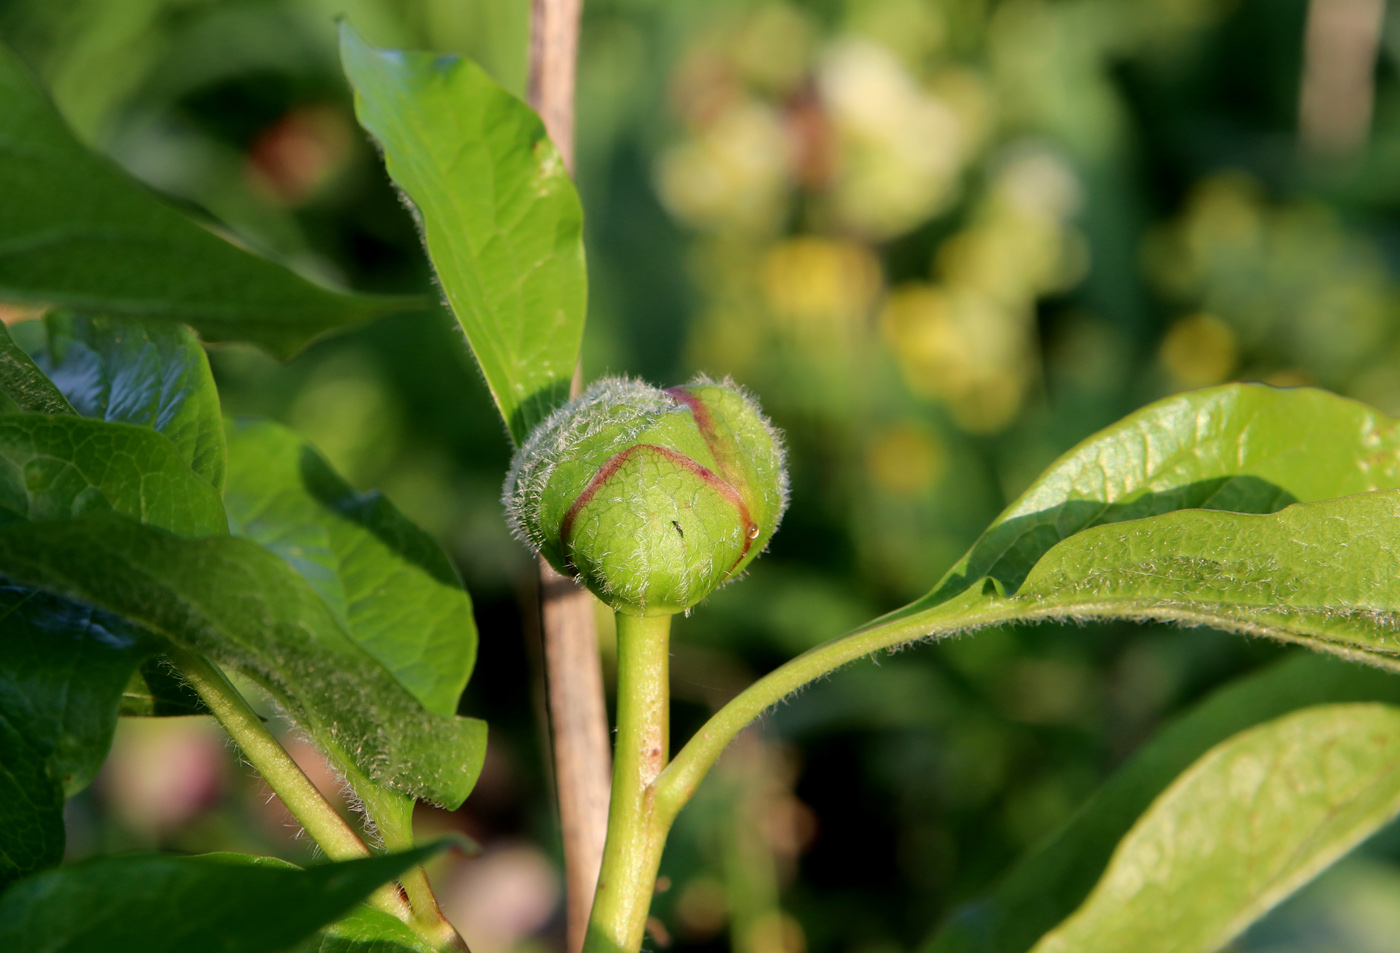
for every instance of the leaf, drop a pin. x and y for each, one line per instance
(57, 467)
(24, 384)
(1049, 883)
(168, 904)
(77, 232)
(151, 375)
(1326, 574)
(244, 607)
(62, 671)
(389, 585)
(499, 214)
(367, 930)
(154, 691)
(1248, 448)
(1250, 822)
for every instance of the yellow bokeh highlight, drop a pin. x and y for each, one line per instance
(1200, 350)
(906, 460)
(957, 347)
(734, 175)
(819, 289)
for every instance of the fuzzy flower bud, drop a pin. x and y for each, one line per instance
(650, 497)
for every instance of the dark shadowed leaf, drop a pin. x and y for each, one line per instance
(167, 904)
(500, 215)
(239, 604)
(75, 231)
(155, 690)
(62, 671)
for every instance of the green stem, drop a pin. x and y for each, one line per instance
(262, 749)
(680, 779)
(393, 817)
(632, 853)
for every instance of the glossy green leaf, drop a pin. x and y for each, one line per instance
(26, 387)
(389, 585)
(57, 467)
(1250, 822)
(152, 375)
(1051, 882)
(77, 232)
(62, 671)
(246, 608)
(1248, 448)
(500, 216)
(168, 904)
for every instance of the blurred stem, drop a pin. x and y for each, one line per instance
(1337, 91)
(573, 674)
(578, 720)
(635, 835)
(262, 749)
(553, 67)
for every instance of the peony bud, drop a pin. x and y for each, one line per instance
(650, 497)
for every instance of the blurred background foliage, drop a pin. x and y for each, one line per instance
(943, 240)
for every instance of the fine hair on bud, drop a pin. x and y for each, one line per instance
(649, 497)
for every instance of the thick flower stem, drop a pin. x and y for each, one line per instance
(632, 853)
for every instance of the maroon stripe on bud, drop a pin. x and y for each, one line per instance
(704, 424)
(708, 476)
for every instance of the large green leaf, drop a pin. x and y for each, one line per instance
(64, 668)
(167, 904)
(1247, 824)
(500, 215)
(62, 671)
(23, 387)
(1247, 448)
(389, 585)
(77, 232)
(1324, 574)
(57, 467)
(1051, 882)
(152, 375)
(239, 604)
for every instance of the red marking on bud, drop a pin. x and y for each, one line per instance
(704, 424)
(708, 476)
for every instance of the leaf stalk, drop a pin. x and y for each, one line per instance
(288, 781)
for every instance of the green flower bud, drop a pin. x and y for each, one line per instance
(650, 497)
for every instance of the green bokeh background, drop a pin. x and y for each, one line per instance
(942, 240)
